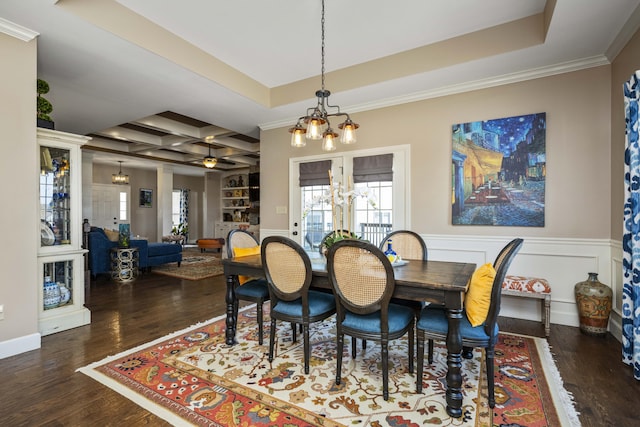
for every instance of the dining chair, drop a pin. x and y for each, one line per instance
(243, 243)
(288, 271)
(363, 281)
(485, 286)
(408, 245)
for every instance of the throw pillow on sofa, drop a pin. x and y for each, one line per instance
(112, 235)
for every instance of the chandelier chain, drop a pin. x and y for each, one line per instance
(322, 49)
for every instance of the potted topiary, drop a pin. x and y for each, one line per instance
(44, 107)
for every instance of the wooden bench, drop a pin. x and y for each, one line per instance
(531, 287)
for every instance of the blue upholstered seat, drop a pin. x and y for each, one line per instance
(435, 320)
(319, 302)
(255, 288)
(399, 317)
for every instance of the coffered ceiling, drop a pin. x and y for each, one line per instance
(149, 80)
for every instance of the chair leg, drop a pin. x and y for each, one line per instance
(353, 348)
(307, 347)
(430, 351)
(294, 331)
(259, 318)
(384, 344)
(340, 348)
(420, 361)
(467, 352)
(411, 352)
(489, 353)
(272, 339)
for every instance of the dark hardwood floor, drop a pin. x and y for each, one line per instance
(41, 387)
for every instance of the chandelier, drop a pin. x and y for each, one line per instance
(317, 118)
(209, 161)
(119, 178)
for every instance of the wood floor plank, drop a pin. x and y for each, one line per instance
(41, 387)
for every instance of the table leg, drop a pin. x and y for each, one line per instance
(454, 364)
(230, 332)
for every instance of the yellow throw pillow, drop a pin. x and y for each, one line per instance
(240, 252)
(478, 297)
(112, 235)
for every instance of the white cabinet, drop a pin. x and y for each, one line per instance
(60, 252)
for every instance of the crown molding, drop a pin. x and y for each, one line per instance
(535, 73)
(17, 31)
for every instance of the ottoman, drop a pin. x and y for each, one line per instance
(210, 243)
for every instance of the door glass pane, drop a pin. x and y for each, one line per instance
(317, 217)
(372, 223)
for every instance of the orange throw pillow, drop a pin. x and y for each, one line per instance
(240, 252)
(478, 297)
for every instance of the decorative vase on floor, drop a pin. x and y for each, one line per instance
(594, 305)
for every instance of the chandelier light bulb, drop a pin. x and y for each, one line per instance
(298, 138)
(329, 140)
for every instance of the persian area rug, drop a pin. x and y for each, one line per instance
(195, 265)
(192, 377)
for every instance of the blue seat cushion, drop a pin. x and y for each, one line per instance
(319, 303)
(399, 317)
(256, 288)
(435, 319)
(160, 249)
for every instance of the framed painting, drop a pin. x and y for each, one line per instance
(498, 171)
(146, 198)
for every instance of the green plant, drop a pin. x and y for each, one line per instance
(180, 229)
(336, 236)
(44, 107)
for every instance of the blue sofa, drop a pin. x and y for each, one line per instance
(149, 254)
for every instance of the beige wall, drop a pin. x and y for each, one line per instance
(578, 153)
(624, 65)
(144, 220)
(19, 173)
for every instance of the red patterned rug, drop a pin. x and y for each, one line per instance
(193, 377)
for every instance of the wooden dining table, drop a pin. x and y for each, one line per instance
(438, 282)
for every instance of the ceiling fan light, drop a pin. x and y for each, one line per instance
(210, 162)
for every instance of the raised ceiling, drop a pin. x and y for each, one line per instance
(164, 74)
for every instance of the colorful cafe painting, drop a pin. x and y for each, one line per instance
(498, 171)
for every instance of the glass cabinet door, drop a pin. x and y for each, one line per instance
(55, 196)
(57, 284)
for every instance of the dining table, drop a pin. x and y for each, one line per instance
(436, 282)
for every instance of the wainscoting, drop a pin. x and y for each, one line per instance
(564, 262)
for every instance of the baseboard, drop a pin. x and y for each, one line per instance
(19, 345)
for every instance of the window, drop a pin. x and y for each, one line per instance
(175, 207)
(123, 205)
